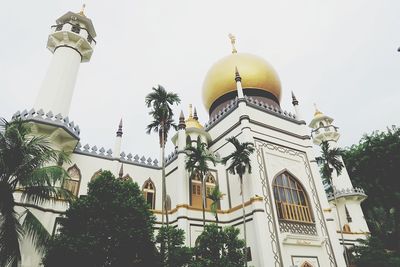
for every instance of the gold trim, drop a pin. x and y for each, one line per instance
(327, 210)
(186, 206)
(354, 233)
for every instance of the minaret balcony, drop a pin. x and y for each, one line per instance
(75, 28)
(348, 193)
(325, 133)
(59, 129)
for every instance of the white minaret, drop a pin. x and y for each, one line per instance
(349, 198)
(71, 42)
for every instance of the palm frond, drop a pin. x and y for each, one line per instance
(42, 194)
(35, 231)
(10, 234)
(240, 158)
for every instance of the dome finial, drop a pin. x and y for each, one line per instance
(317, 112)
(233, 42)
(82, 12)
(190, 111)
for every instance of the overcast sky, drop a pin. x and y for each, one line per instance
(341, 55)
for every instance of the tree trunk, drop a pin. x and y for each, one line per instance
(244, 221)
(203, 202)
(164, 189)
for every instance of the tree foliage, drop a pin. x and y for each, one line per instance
(25, 167)
(111, 226)
(171, 246)
(372, 254)
(217, 247)
(374, 165)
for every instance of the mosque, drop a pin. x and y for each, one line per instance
(290, 220)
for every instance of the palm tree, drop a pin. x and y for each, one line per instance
(215, 197)
(329, 161)
(240, 164)
(197, 161)
(25, 168)
(161, 101)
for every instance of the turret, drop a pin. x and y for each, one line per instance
(71, 42)
(348, 198)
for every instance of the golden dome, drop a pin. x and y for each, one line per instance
(255, 72)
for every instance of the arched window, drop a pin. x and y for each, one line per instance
(126, 177)
(196, 189)
(149, 192)
(306, 264)
(291, 200)
(168, 202)
(346, 228)
(95, 175)
(73, 181)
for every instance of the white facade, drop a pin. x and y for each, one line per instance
(283, 146)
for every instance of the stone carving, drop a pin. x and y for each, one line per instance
(297, 228)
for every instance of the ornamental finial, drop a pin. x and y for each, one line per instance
(190, 111)
(317, 112)
(82, 12)
(233, 42)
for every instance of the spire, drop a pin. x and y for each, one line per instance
(182, 124)
(121, 171)
(295, 102)
(238, 80)
(119, 132)
(233, 42)
(195, 114)
(237, 75)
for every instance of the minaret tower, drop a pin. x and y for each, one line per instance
(71, 42)
(348, 198)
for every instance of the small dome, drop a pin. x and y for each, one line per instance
(256, 73)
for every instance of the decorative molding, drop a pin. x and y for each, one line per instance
(272, 227)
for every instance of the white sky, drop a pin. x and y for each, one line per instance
(340, 54)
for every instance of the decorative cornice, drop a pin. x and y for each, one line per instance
(48, 118)
(127, 159)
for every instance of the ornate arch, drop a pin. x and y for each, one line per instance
(291, 198)
(307, 264)
(149, 193)
(73, 181)
(127, 177)
(95, 175)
